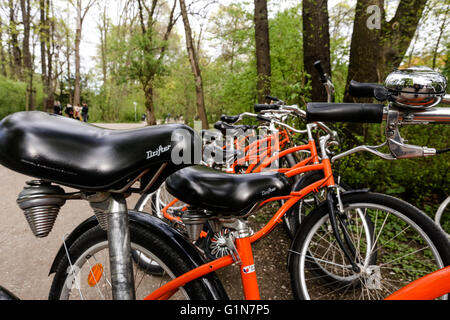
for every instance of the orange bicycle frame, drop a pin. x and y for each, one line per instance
(429, 287)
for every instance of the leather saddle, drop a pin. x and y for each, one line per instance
(90, 158)
(227, 194)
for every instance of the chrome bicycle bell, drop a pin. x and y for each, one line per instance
(416, 87)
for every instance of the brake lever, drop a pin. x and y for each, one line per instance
(370, 149)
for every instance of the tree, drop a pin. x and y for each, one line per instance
(441, 32)
(81, 14)
(46, 33)
(289, 81)
(378, 46)
(149, 50)
(16, 56)
(262, 47)
(231, 28)
(103, 27)
(316, 44)
(3, 62)
(193, 58)
(26, 53)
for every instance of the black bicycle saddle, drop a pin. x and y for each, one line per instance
(86, 157)
(227, 194)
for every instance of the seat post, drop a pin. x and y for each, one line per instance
(120, 249)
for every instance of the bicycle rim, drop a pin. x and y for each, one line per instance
(404, 252)
(83, 283)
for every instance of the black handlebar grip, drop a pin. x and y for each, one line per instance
(272, 98)
(319, 68)
(344, 112)
(363, 90)
(262, 118)
(229, 119)
(263, 107)
(218, 125)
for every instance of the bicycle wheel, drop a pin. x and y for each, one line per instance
(407, 244)
(89, 279)
(443, 211)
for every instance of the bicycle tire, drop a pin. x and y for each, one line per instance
(84, 249)
(401, 246)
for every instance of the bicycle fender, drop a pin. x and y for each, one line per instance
(355, 191)
(177, 241)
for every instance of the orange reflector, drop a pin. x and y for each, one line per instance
(95, 275)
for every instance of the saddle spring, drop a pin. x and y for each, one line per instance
(41, 202)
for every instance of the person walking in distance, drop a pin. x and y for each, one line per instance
(84, 112)
(77, 112)
(57, 108)
(69, 111)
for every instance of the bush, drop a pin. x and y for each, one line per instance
(423, 182)
(12, 96)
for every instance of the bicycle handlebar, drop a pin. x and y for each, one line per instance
(365, 90)
(377, 91)
(345, 112)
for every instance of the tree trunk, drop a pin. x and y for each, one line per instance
(2, 52)
(363, 65)
(69, 78)
(16, 64)
(50, 52)
(103, 28)
(193, 58)
(316, 44)
(441, 32)
(44, 37)
(262, 46)
(376, 51)
(149, 104)
(27, 62)
(77, 89)
(378, 46)
(146, 74)
(398, 33)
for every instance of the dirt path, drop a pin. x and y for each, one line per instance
(25, 260)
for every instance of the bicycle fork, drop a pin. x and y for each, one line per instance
(337, 220)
